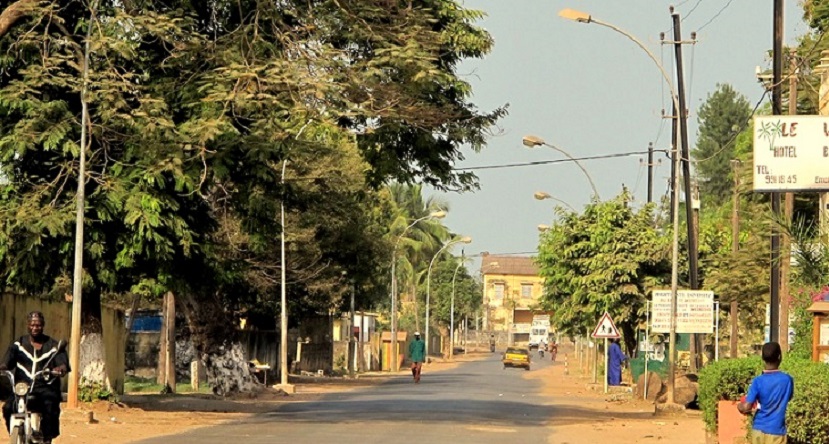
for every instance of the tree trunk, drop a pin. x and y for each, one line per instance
(92, 364)
(216, 342)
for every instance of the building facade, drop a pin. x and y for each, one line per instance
(512, 290)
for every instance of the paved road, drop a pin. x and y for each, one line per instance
(476, 402)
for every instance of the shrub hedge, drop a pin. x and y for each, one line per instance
(806, 417)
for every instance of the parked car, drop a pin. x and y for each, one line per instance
(517, 357)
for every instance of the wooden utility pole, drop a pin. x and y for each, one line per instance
(788, 212)
(776, 109)
(650, 172)
(735, 247)
(690, 222)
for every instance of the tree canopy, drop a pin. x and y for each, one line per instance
(606, 259)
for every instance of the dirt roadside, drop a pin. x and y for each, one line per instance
(583, 415)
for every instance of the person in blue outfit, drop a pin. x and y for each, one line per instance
(615, 358)
(769, 396)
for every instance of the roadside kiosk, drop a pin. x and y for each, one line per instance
(820, 331)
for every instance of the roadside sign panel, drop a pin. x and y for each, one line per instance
(694, 311)
(606, 329)
(791, 153)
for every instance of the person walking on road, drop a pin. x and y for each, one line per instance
(417, 354)
(769, 396)
(614, 366)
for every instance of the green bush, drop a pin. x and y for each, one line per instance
(806, 417)
(724, 380)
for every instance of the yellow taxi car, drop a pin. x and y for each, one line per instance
(517, 357)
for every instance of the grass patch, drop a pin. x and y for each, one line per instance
(135, 384)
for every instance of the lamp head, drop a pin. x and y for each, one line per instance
(465, 240)
(438, 214)
(532, 141)
(540, 195)
(572, 14)
(542, 228)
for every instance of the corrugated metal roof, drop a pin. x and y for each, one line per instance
(508, 265)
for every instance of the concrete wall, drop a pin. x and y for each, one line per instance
(15, 307)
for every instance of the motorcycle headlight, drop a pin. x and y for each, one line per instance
(21, 388)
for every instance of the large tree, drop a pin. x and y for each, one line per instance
(721, 118)
(196, 109)
(606, 259)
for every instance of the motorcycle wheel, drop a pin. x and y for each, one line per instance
(16, 437)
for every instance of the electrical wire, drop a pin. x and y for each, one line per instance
(548, 162)
(715, 15)
(691, 11)
(737, 133)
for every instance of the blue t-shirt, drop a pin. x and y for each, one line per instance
(772, 391)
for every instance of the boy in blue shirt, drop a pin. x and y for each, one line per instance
(769, 394)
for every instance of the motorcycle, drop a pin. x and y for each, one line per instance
(24, 425)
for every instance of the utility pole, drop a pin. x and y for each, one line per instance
(788, 211)
(692, 229)
(735, 247)
(650, 172)
(776, 105)
(823, 110)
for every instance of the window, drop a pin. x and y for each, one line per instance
(499, 291)
(527, 291)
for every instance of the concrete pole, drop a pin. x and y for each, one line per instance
(80, 203)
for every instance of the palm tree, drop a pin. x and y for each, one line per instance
(420, 242)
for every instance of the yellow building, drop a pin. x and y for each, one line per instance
(512, 290)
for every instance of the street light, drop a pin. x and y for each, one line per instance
(541, 195)
(534, 141)
(433, 215)
(452, 312)
(583, 17)
(542, 228)
(464, 240)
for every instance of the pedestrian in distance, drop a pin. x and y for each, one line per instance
(615, 359)
(417, 354)
(768, 397)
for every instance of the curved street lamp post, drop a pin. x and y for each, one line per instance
(433, 215)
(534, 141)
(464, 240)
(541, 195)
(583, 17)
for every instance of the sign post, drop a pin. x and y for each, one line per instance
(606, 329)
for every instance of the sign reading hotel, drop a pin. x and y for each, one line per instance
(791, 153)
(694, 311)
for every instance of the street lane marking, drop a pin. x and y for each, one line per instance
(492, 429)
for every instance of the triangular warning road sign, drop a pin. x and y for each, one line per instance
(606, 328)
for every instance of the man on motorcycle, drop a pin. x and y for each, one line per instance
(31, 354)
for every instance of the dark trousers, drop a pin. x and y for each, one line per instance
(416, 369)
(47, 404)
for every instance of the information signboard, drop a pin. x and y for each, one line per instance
(791, 153)
(694, 311)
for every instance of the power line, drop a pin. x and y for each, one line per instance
(715, 15)
(548, 162)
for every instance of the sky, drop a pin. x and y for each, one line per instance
(591, 91)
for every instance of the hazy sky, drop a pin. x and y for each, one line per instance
(593, 92)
